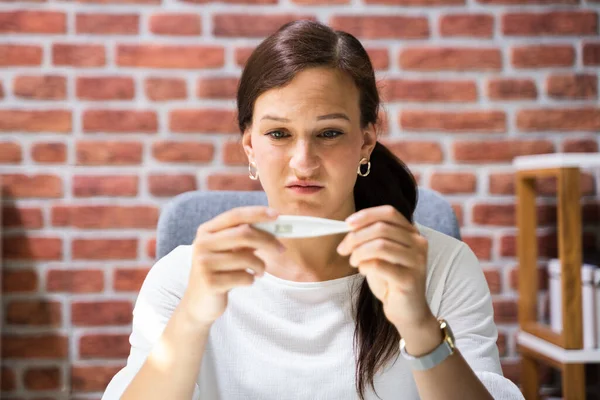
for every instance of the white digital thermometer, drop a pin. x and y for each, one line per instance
(299, 226)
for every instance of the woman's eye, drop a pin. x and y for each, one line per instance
(272, 134)
(338, 133)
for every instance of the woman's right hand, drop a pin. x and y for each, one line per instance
(222, 251)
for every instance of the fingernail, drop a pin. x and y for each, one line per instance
(272, 212)
(353, 218)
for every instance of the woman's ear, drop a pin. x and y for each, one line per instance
(369, 140)
(247, 144)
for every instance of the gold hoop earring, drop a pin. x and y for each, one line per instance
(368, 167)
(250, 174)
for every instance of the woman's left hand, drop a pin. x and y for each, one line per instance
(392, 255)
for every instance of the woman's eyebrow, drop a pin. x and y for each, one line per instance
(319, 118)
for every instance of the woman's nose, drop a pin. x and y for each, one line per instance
(303, 158)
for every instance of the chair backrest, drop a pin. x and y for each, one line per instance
(180, 217)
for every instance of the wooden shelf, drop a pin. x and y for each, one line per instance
(557, 353)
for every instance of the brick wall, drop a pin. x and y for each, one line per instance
(108, 108)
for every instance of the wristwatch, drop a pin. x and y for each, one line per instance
(439, 354)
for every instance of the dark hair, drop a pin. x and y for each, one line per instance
(306, 44)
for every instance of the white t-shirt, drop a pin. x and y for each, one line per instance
(281, 339)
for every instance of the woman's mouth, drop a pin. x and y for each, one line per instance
(305, 189)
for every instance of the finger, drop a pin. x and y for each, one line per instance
(232, 261)
(395, 275)
(224, 281)
(385, 250)
(237, 216)
(386, 213)
(238, 237)
(371, 232)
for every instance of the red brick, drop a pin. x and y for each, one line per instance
(505, 214)
(417, 2)
(32, 186)
(541, 56)
(104, 346)
(92, 378)
(159, 89)
(176, 24)
(20, 55)
(242, 54)
(49, 152)
(481, 246)
(590, 51)
(42, 378)
(29, 21)
(505, 311)
(380, 58)
(504, 184)
(382, 27)
(542, 275)
(105, 185)
(251, 25)
(547, 245)
(575, 86)
(110, 217)
(429, 90)
(453, 121)
(170, 56)
(121, 2)
(450, 58)
(1, 90)
(107, 24)
(129, 279)
(453, 182)
(550, 23)
(217, 88)
(34, 313)
(78, 55)
(44, 87)
(224, 181)
(105, 88)
(32, 248)
(529, 2)
(558, 119)
(22, 217)
(52, 121)
(19, 281)
(75, 281)
(320, 2)
(469, 25)
(117, 312)
(416, 152)
(109, 153)
(188, 152)
(233, 153)
(104, 249)
(494, 280)
(10, 153)
(35, 346)
(8, 379)
(511, 89)
(151, 248)
(250, 2)
(203, 121)
(583, 145)
(120, 121)
(498, 151)
(171, 185)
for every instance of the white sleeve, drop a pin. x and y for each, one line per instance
(158, 297)
(467, 306)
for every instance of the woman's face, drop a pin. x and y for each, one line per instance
(309, 130)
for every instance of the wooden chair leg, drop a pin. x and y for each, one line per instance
(530, 380)
(573, 381)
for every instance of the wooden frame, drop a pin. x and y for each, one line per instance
(570, 254)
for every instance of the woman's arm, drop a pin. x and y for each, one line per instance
(171, 369)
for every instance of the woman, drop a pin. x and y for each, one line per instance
(240, 314)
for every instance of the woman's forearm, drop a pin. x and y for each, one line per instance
(171, 369)
(451, 379)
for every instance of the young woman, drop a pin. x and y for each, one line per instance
(240, 314)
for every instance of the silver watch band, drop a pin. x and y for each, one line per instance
(430, 360)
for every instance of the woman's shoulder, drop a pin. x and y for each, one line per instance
(442, 247)
(170, 273)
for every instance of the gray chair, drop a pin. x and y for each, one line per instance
(181, 216)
